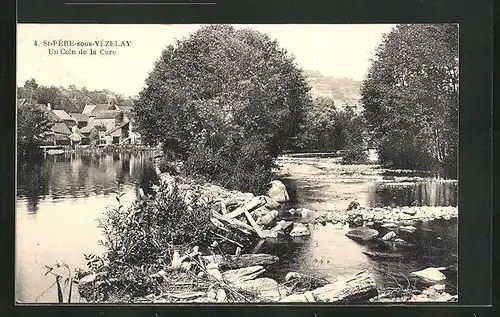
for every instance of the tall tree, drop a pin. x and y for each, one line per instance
(33, 127)
(410, 96)
(222, 84)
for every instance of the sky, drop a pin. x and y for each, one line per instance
(338, 50)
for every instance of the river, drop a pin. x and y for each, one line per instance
(60, 199)
(322, 184)
(58, 203)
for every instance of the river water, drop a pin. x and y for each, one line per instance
(60, 199)
(322, 184)
(58, 203)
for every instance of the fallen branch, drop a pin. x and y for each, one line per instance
(229, 240)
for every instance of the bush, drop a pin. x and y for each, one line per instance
(355, 157)
(140, 240)
(243, 165)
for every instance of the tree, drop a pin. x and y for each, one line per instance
(410, 97)
(33, 127)
(218, 85)
(328, 129)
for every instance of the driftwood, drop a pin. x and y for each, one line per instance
(234, 223)
(254, 225)
(353, 288)
(244, 260)
(249, 206)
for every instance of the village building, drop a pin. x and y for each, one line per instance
(81, 119)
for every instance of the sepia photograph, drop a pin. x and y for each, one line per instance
(237, 163)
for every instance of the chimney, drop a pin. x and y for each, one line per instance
(49, 107)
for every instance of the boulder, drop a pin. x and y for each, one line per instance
(299, 230)
(388, 236)
(353, 205)
(355, 220)
(293, 275)
(430, 275)
(278, 192)
(303, 212)
(283, 227)
(271, 203)
(268, 220)
(434, 293)
(362, 234)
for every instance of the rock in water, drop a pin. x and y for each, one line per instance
(434, 293)
(388, 236)
(410, 229)
(430, 275)
(283, 227)
(390, 225)
(299, 230)
(410, 211)
(353, 205)
(362, 234)
(278, 192)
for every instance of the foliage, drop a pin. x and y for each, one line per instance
(71, 99)
(238, 164)
(329, 129)
(410, 97)
(356, 156)
(140, 240)
(222, 86)
(33, 126)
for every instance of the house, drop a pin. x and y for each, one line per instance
(81, 119)
(87, 133)
(61, 116)
(118, 134)
(93, 110)
(59, 134)
(108, 119)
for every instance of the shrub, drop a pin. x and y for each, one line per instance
(238, 164)
(355, 157)
(141, 239)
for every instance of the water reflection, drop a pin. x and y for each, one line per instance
(428, 193)
(72, 176)
(59, 200)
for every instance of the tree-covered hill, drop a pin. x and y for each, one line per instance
(342, 90)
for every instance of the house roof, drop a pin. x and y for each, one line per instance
(88, 109)
(60, 128)
(80, 117)
(62, 115)
(101, 107)
(87, 128)
(108, 114)
(117, 128)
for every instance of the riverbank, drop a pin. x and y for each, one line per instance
(98, 149)
(264, 218)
